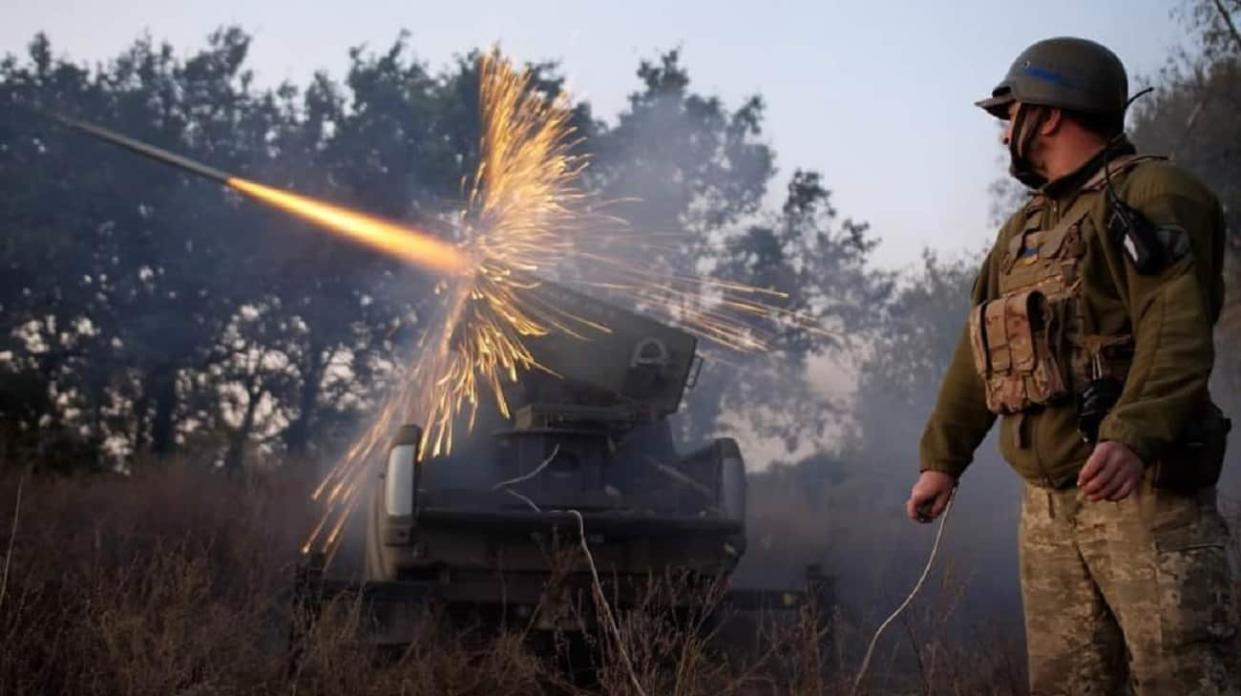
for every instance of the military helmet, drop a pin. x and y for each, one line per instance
(1067, 73)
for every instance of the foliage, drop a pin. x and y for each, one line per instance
(1192, 118)
(147, 312)
(173, 580)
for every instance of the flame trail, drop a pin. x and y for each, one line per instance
(396, 240)
(407, 244)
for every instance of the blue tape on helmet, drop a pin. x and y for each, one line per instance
(1048, 76)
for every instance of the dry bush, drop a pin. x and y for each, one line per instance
(932, 649)
(178, 580)
(163, 582)
(439, 660)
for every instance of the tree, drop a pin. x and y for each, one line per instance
(104, 281)
(130, 282)
(912, 347)
(1192, 117)
(820, 265)
(158, 310)
(683, 164)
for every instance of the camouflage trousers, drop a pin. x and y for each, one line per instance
(1129, 596)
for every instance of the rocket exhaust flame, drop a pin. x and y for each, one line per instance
(396, 240)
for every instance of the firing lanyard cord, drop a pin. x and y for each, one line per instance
(601, 602)
(870, 649)
(526, 477)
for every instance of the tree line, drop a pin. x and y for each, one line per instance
(144, 314)
(147, 314)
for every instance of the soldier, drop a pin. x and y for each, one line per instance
(1091, 337)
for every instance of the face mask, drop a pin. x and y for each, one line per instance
(1026, 123)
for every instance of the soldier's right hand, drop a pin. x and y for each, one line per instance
(929, 496)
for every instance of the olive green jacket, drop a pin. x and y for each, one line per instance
(1171, 315)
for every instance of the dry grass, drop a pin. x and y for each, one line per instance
(177, 581)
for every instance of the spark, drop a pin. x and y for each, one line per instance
(526, 218)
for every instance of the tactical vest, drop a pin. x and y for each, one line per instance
(1031, 345)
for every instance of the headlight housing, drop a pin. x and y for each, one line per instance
(401, 472)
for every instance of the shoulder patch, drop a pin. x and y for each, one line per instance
(1174, 240)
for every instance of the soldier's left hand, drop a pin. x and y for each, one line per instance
(1112, 472)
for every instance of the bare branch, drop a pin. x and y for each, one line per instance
(1226, 16)
(8, 556)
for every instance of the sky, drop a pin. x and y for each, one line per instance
(875, 95)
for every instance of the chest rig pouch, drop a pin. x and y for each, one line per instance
(1028, 344)
(1032, 347)
(1017, 350)
(1019, 339)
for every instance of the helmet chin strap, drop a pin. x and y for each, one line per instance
(1026, 123)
